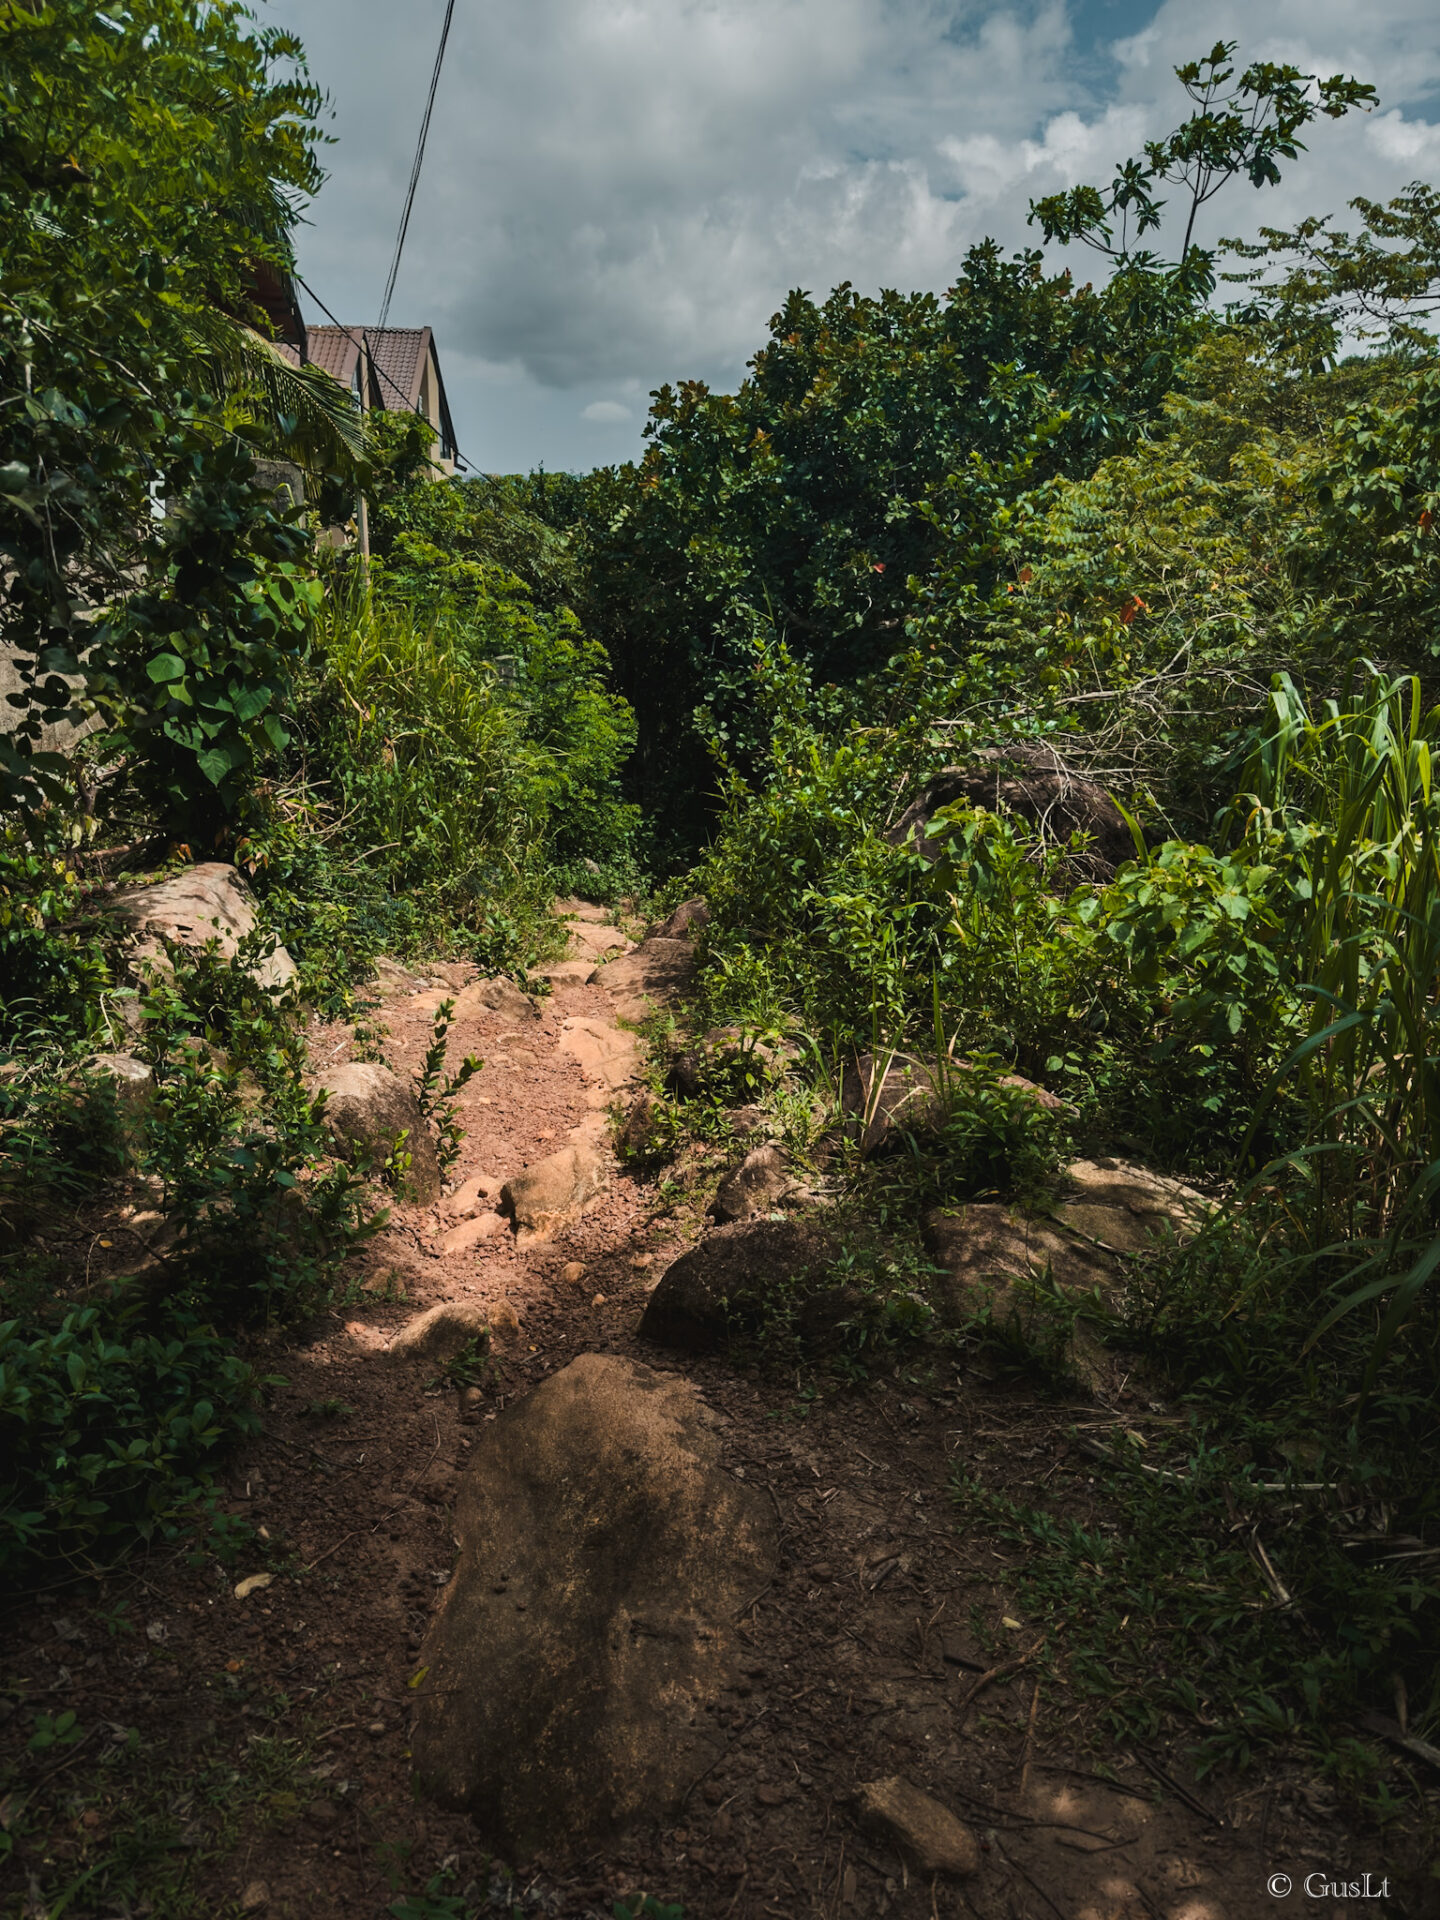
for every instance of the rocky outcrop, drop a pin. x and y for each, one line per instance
(208, 902)
(1123, 1208)
(604, 1558)
(1029, 779)
(656, 974)
(985, 1250)
(724, 1286)
(368, 1107)
(131, 1081)
(688, 919)
(885, 1095)
(989, 1256)
(552, 1192)
(925, 1833)
(761, 1181)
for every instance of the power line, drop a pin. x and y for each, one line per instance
(417, 164)
(366, 355)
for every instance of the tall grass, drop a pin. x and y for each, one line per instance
(434, 774)
(1350, 794)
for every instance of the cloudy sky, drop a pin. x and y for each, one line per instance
(619, 193)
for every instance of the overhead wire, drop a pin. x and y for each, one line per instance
(416, 165)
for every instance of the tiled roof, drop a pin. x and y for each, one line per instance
(397, 358)
(334, 351)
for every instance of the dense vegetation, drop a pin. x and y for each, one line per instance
(416, 761)
(1185, 546)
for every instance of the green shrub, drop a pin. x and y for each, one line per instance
(107, 1431)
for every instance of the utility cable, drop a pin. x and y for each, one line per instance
(417, 164)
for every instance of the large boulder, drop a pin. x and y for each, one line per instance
(655, 974)
(208, 902)
(368, 1107)
(552, 1192)
(885, 1095)
(590, 1624)
(726, 1285)
(986, 1251)
(1030, 779)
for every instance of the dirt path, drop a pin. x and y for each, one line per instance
(871, 1654)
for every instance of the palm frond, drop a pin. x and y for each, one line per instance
(316, 422)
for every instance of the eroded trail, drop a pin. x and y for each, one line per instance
(862, 1671)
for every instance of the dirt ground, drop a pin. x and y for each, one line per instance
(870, 1655)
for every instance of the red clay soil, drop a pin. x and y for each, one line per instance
(868, 1656)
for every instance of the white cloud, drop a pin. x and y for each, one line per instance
(1409, 143)
(619, 193)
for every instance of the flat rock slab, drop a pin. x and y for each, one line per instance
(368, 1107)
(477, 1000)
(209, 902)
(657, 973)
(1127, 1208)
(470, 1232)
(478, 1194)
(587, 939)
(608, 1055)
(567, 973)
(604, 1559)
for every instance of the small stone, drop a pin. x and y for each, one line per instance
(642, 1262)
(598, 1301)
(573, 1272)
(919, 1827)
(376, 1728)
(471, 1401)
(255, 1896)
(504, 1321)
(769, 1796)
